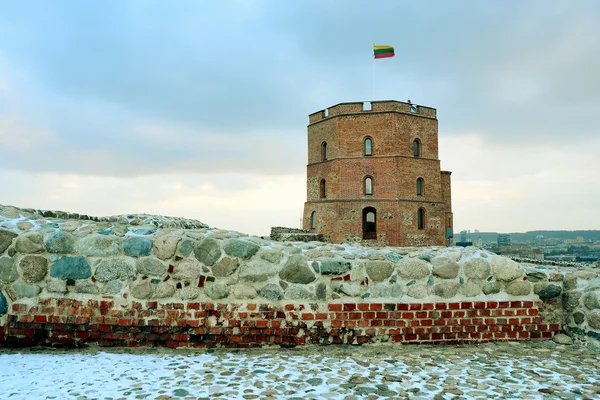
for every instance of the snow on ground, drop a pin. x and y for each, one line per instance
(504, 370)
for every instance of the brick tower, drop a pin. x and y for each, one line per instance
(373, 175)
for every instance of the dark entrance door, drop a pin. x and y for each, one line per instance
(369, 218)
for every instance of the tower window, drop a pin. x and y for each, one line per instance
(417, 148)
(421, 218)
(368, 147)
(313, 220)
(323, 189)
(323, 151)
(369, 215)
(368, 185)
(420, 183)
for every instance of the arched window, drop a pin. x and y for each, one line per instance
(417, 148)
(323, 151)
(368, 185)
(420, 184)
(313, 220)
(368, 147)
(421, 218)
(369, 223)
(323, 189)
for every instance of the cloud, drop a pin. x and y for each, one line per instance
(256, 206)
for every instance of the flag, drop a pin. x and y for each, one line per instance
(383, 51)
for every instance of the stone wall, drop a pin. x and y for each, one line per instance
(282, 234)
(70, 282)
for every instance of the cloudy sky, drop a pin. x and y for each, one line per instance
(199, 108)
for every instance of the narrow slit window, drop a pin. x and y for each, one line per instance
(313, 220)
(368, 186)
(323, 151)
(420, 187)
(417, 148)
(421, 218)
(368, 147)
(323, 189)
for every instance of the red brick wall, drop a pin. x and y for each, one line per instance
(72, 322)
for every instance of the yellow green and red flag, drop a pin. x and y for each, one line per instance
(383, 51)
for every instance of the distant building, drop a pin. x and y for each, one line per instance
(504, 239)
(374, 175)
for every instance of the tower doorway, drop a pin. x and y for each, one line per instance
(369, 219)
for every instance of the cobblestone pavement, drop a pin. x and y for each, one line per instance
(535, 370)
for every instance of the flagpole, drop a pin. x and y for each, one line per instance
(373, 77)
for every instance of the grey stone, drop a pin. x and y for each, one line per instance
(56, 286)
(241, 248)
(136, 246)
(8, 270)
(445, 267)
(518, 287)
(189, 293)
(555, 276)
(347, 288)
(335, 267)
(491, 287)
(186, 247)
(164, 289)
(226, 266)
(417, 291)
(208, 251)
(396, 290)
(257, 271)
(99, 245)
(593, 319)
(539, 286)
(244, 292)
(578, 317)
(413, 268)
(570, 282)
(380, 290)
(113, 287)
(150, 266)
(476, 268)
(592, 300)
(472, 287)
(30, 243)
(271, 292)
(71, 268)
(536, 276)
(6, 238)
(321, 291)
(86, 287)
(111, 269)
(570, 300)
(393, 257)
(561, 338)
(296, 270)
(142, 290)
(60, 242)
(378, 271)
(165, 245)
(24, 225)
(272, 255)
(3, 304)
(216, 290)
(187, 270)
(550, 292)
(297, 292)
(33, 268)
(505, 269)
(446, 289)
(26, 290)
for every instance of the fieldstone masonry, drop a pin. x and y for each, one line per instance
(141, 281)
